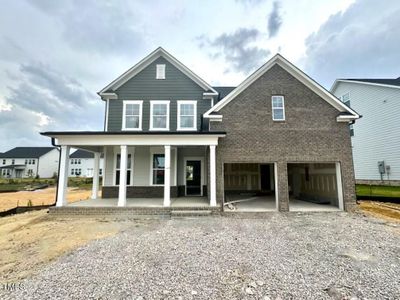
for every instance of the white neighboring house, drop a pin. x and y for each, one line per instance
(376, 136)
(81, 164)
(25, 162)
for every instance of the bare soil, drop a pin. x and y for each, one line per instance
(387, 211)
(39, 197)
(30, 240)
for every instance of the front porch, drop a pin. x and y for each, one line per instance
(145, 170)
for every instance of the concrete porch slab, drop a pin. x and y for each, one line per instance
(305, 206)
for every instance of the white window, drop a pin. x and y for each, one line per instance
(187, 111)
(132, 115)
(278, 108)
(158, 166)
(4, 161)
(345, 99)
(26, 161)
(159, 115)
(13, 161)
(33, 161)
(72, 171)
(160, 72)
(118, 169)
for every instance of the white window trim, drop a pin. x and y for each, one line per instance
(194, 127)
(132, 153)
(152, 102)
(160, 75)
(154, 151)
(126, 102)
(283, 108)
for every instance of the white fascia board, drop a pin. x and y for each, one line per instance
(108, 96)
(294, 71)
(346, 118)
(337, 81)
(147, 61)
(138, 140)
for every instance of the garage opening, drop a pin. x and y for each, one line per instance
(249, 187)
(313, 187)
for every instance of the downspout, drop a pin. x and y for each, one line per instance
(53, 142)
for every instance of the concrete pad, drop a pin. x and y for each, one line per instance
(253, 204)
(299, 205)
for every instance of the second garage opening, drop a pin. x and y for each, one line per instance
(313, 187)
(249, 187)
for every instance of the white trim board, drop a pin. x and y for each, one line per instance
(141, 65)
(295, 72)
(361, 82)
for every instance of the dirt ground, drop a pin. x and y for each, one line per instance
(39, 197)
(387, 211)
(31, 240)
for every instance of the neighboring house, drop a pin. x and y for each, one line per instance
(24, 162)
(81, 164)
(277, 138)
(376, 136)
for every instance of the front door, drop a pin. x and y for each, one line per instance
(193, 177)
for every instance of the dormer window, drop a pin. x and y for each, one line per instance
(160, 72)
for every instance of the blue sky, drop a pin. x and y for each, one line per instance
(55, 55)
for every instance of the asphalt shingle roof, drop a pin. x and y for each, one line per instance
(81, 154)
(387, 81)
(223, 90)
(26, 152)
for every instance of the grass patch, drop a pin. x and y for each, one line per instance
(377, 190)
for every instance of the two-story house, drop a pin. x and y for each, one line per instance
(376, 136)
(25, 162)
(278, 141)
(81, 164)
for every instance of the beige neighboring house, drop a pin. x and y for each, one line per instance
(26, 162)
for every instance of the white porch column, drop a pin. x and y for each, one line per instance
(63, 177)
(339, 185)
(213, 184)
(122, 176)
(167, 175)
(96, 168)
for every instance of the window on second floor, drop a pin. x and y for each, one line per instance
(187, 111)
(132, 115)
(13, 161)
(278, 108)
(160, 72)
(159, 115)
(4, 161)
(345, 98)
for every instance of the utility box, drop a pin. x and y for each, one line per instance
(381, 167)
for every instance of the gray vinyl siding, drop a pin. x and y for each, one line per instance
(377, 133)
(144, 86)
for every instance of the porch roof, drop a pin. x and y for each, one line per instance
(132, 138)
(13, 167)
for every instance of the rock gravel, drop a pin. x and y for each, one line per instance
(281, 256)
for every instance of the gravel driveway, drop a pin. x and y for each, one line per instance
(284, 256)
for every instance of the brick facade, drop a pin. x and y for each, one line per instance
(310, 132)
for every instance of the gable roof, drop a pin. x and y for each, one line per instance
(109, 89)
(81, 154)
(295, 72)
(26, 152)
(223, 91)
(386, 82)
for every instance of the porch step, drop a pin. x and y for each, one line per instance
(190, 213)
